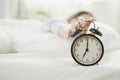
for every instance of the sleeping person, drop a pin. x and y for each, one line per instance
(66, 28)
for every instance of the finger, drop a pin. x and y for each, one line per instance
(69, 34)
(81, 19)
(90, 19)
(81, 25)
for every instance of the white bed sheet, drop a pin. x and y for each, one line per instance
(48, 57)
(36, 66)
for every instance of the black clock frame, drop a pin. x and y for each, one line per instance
(92, 63)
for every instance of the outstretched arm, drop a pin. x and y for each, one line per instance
(80, 24)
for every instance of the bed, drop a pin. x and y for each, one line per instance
(25, 54)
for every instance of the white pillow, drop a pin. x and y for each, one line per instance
(43, 43)
(6, 45)
(50, 43)
(24, 36)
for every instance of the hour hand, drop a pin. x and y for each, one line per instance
(84, 54)
(86, 49)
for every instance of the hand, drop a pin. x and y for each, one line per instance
(81, 23)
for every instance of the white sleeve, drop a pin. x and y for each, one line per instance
(53, 26)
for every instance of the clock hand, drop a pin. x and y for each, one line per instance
(86, 49)
(87, 45)
(84, 54)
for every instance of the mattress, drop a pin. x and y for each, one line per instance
(42, 66)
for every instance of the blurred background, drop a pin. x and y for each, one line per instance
(106, 11)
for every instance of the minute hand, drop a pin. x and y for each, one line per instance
(87, 45)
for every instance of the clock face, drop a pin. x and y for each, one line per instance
(87, 50)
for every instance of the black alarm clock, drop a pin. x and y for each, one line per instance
(87, 49)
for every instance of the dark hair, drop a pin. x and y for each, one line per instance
(79, 14)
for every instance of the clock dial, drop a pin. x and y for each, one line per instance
(87, 50)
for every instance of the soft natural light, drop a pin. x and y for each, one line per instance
(61, 9)
(59, 39)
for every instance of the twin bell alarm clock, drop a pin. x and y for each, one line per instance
(87, 49)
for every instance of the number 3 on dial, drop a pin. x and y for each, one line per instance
(87, 50)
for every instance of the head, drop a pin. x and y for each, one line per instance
(83, 14)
